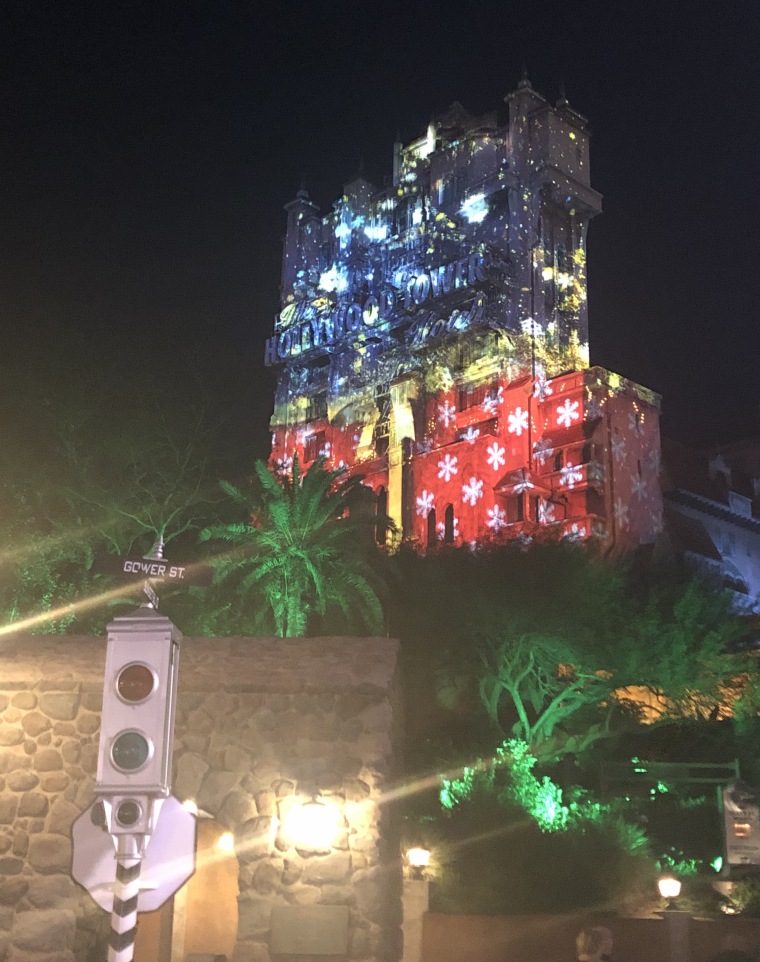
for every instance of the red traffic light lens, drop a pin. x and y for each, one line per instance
(135, 683)
(130, 751)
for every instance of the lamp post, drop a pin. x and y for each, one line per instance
(676, 920)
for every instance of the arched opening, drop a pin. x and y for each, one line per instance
(432, 534)
(381, 532)
(448, 524)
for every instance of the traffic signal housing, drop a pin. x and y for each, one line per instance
(137, 722)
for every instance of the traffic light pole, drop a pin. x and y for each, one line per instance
(121, 945)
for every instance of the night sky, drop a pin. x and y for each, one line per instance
(148, 149)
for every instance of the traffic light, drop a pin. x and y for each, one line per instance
(137, 722)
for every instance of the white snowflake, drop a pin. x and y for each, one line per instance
(567, 413)
(425, 503)
(541, 388)
(638, 487)
(447, 467)
(618, 448)
(517, 422)
(570, 475)
(575, 531)
(470, 435)
(542, 450)
(495, 455)
(446, 413)
(493, 400)
(284, 464)
(593, 408)
(326, 450)
(497, 518)
(523, 486)
(621, 512)
(653, 459)
(441, 528)
(472, 491)
(545, 512)
(635, 422)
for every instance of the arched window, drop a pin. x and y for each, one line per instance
(381, 532)
(448, 524)
(432, 534)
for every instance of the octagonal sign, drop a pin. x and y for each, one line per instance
(168, 863)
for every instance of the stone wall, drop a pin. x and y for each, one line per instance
(262, 724)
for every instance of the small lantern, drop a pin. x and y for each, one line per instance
(418, 860)
(670, 889)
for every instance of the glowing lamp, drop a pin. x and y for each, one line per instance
(418, 859)
(313, 826)
(670, 889)
(226, 842)
(189, 805)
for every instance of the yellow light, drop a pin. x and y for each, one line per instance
(226, 842)
(313, 827)
(190, 806)
(418, 857)
(547, 273)
(670, 888)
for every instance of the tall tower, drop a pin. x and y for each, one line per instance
(433, 337)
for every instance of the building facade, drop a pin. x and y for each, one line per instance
(433, 337)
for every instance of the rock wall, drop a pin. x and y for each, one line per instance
(262, 725)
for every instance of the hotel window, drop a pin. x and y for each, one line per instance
(313, 445)
(316, 407)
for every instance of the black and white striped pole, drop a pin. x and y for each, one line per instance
(121, 945)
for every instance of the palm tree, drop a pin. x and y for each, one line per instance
(307, 543)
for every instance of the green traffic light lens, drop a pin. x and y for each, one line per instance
(135, 683)
(130, 751)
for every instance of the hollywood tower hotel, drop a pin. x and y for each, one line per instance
(433, 337)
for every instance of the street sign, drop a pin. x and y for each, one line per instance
(155, 569)
(169, 859)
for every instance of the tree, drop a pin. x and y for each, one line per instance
(562, 687)
(306, 542)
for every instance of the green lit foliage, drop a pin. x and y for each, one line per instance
(306, 543)
(502, 826)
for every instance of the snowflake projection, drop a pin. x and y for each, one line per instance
(575, 532)
(441, 528)
(447, 467)
(326, 450)
(472, 491)
(495, 455)
(355, 439)
(542, 450)
(635, 422)
(546, 512)
(657, 522)
(497, 518)
(425, 503)
(517, 422)
(470, 435)
(570, 475)
(567, 413)
(284, 465)
(653, 460)
(638, 487)
(523, 486)
(618, 448)
(593, 409)
(492, 401)
(541, 388)
(446, 413)
(621, 513)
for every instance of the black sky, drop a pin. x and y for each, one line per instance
(147, 150)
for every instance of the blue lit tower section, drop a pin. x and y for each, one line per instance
(433, 336)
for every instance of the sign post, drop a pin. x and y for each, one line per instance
(137, 827)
